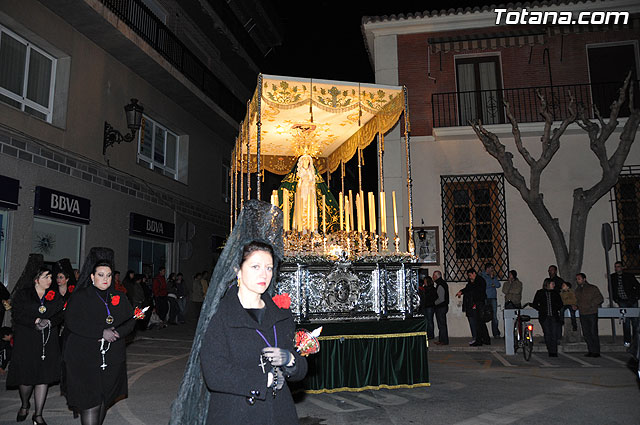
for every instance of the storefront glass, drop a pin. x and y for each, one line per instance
(147, 256)
(56, 239)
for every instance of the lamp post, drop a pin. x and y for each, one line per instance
(133, 112)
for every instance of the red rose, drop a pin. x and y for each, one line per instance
(71, 288)
(50, 295)
(115, 300)
(282, 300)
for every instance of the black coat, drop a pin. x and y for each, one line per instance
(474, 295)
(630, 285)
(441, 282)
(230, 358)
(540, 304)
(87, 383)
(27, 365)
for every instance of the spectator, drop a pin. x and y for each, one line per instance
(475, 297)
(118, 286)
(181, 293)
(553, 275)
(625, 291)
(197, 295)
(128, 281)
(441, 308)
(569, 301)
(76, 273)
(6, 345)
(173, 299)
(492, 283)
(428, 295)
(512, 291)
(549, 304)
(5, 303)
(160, 293)
(204, 281)
(588, 299)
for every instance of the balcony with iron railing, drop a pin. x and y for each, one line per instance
(457, 109)
(145, 24)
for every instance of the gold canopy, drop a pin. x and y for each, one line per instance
(328, 120)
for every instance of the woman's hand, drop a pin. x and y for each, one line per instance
(277, 374)
(42, 324)
(277, 356)
(110, 334)
(459, 294)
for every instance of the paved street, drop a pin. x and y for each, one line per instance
(468, 387)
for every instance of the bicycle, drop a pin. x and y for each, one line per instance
(523, 334)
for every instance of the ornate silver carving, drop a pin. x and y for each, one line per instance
(341, 289)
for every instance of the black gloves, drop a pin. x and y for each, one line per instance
(110, 334)
(278, 356)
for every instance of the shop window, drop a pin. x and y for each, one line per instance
(147, 256)
(4, 226)
(158, 148)
(627, 198)
(474, 224)
(27, 75)
(56, 240)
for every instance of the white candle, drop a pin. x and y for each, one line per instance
(346, 214)
(324, 215)
(383, 214)
(285, 197)
(351, 221)
(395, 216)
(341, 211)
(372, 212)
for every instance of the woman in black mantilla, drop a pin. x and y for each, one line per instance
(36, 314)
(97, 318)
(244, 343)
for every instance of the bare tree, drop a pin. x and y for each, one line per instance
(569, 257)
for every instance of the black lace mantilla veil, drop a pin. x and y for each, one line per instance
(258, 221)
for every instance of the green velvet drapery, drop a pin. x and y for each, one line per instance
(369, 355)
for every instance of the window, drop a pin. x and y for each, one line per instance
(627, 197)
(158, 148)
(474, 224)
(27, 75)
(479, 90)
(56, 239)
(608, 67)
(147, 256)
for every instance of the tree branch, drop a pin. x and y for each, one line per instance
(515, 130)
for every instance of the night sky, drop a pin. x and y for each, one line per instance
(323, 38)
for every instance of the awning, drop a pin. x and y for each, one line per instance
(487, 41)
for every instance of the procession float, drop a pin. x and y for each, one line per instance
(343, 266)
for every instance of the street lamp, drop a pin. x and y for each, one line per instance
(133, 111)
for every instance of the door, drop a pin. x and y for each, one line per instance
(608, 67)
(479, 90)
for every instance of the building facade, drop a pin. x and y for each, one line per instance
(460, 66)
(67, 70)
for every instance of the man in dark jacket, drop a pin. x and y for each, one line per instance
(625, 291)
(441, 308)
(475, 297)
(549, 305)
(589, 299)
(553, 275)
(428, 295)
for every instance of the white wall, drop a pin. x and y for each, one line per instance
(458, 151)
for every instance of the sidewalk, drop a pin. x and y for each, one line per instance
(497, 344)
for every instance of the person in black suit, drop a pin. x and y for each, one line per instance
(625, 291)
(475, 297)
(549, 305)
